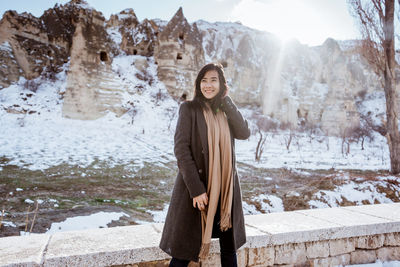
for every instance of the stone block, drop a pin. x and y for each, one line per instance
(370, 242)
(242, 256)
(388, 253)
(213, 260)
(163, 263)
(23, 250)
(392, 239)
(290, 254)
(105, 247)
(292, 227)
(341, 246)
(256, 238)
(361, 256)
(353, 223)
(318, 249)
(340, 260)
(261, 256)
(389, 211)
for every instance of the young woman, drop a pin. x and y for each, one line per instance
(206, 200)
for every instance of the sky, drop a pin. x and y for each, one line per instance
(309, 21)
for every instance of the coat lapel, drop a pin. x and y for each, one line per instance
(202, 127)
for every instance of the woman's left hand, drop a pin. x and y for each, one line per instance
(200, 201)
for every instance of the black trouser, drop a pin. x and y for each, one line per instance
(227, 248)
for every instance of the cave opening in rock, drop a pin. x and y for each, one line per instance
(179, 56)
(184, 96)
(181, 36)
(134, 51)
(103, 56)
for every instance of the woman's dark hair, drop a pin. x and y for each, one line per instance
(215, 102)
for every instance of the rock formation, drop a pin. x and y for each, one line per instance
(179, 55)
(292, 82)
(90, 84)
(133, 37)
(28, 48)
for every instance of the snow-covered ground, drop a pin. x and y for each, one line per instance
(38, 141)
(39, 137)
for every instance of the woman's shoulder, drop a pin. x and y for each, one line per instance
(189, 104)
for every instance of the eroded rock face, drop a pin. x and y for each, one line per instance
(318, 85)
(26, 49)
(91, 90)
(130, 35)
(179, 55)
(245, 55)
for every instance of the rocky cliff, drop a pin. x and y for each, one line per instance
(290, 81)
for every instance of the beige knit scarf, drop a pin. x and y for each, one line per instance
(220, 181)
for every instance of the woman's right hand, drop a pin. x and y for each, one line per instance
(200, 201)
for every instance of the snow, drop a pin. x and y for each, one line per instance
(41, 141)
(96, 220)
(249, 209)
(346, 45)
(19, 189)
(115, 35)
(351, 191)
(6, 47)
(9, 224)
(29, 201)
(314, 155)
(84, 5)
(159, 215)
(269, 203)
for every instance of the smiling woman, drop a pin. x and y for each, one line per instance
(309, 21)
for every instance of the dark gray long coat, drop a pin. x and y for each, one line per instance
(181, 236)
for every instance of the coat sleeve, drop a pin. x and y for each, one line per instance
(183, 152)
(237, 123)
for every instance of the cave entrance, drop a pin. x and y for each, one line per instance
(103, 56)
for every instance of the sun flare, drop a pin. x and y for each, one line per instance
(287, 19)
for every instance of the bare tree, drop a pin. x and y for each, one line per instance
(264, 125)
(290, 133)
(260, 145)
(171, 112)
(376, 21)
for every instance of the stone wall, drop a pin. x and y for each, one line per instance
(319, 237)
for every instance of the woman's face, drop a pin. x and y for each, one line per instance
(209, 85)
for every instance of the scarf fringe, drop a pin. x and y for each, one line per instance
(205, 249)
(225, 222)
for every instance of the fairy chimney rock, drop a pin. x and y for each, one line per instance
(179, 55)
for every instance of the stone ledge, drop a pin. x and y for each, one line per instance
(268, 236)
